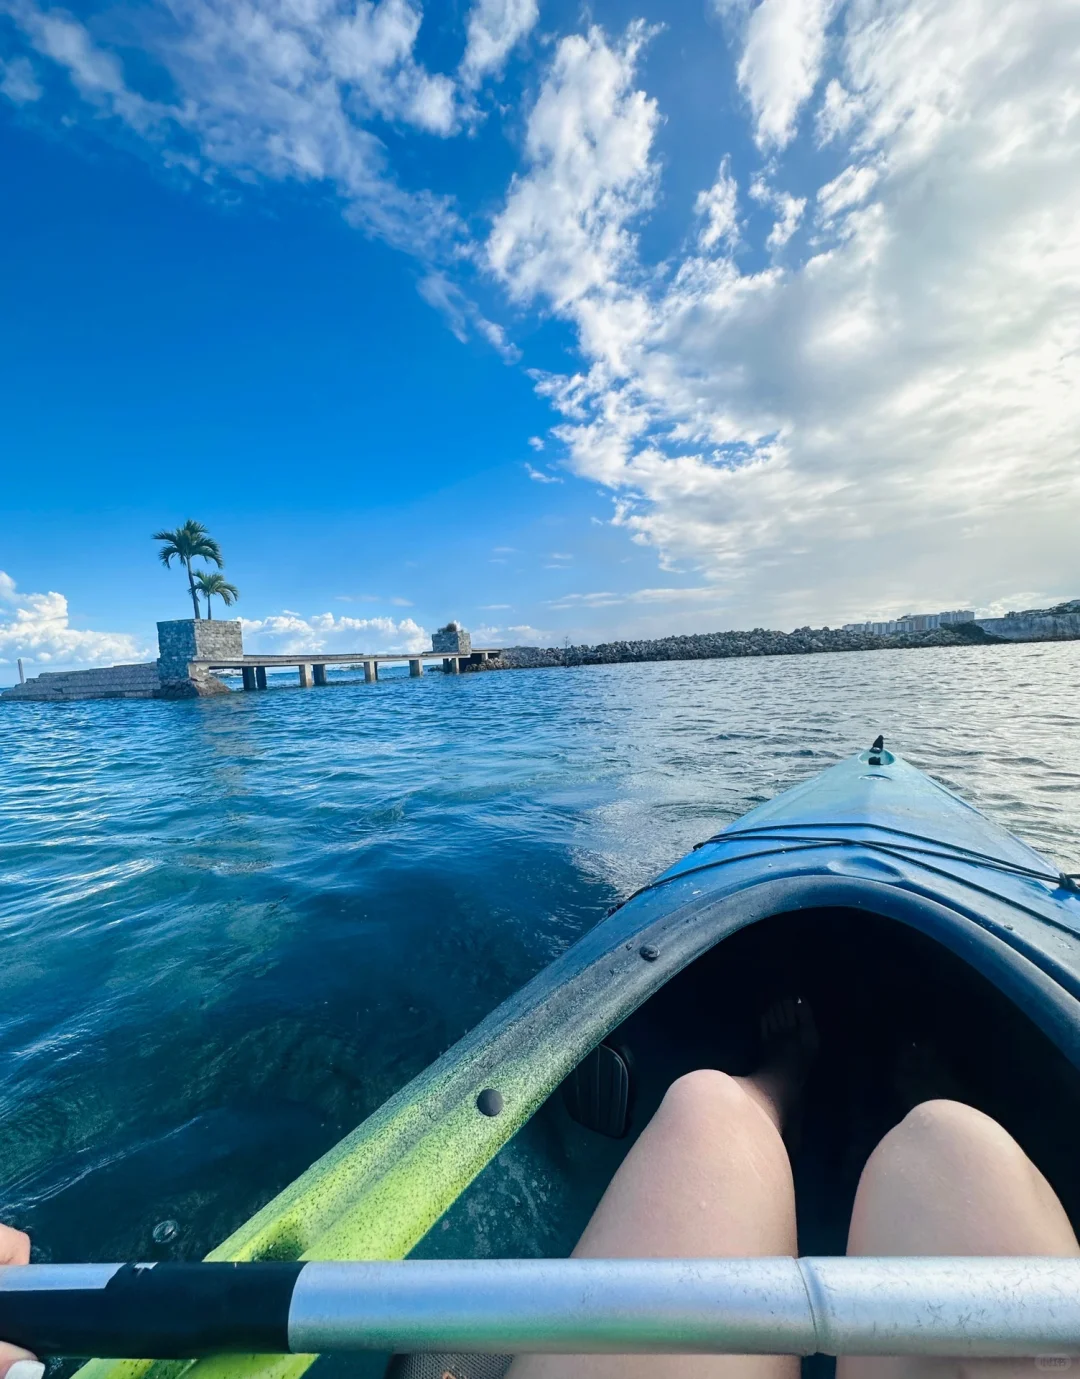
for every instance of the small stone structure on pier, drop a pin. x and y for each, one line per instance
(184, 644)
(451, 638)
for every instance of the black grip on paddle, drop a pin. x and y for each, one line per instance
(168, 1311)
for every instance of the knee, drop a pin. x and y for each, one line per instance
(943, 1132)
(713, 1099)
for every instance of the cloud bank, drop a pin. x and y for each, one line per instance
(286, 632)
(894, 410)
(37, 627)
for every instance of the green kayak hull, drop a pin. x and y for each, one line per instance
(871, 834)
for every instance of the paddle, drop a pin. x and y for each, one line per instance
(927, 1306)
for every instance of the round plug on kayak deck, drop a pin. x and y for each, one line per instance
(489, 1102)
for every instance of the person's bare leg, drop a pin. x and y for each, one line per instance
(948, 1180)
(709, 1177)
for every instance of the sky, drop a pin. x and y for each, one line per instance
(569, 321)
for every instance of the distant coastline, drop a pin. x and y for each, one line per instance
(190, 649)
(1039, 625)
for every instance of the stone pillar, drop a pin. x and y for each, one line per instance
(371, 671)
(22, 673)
(416, 667)
(182, 641)
(248, 673)
(455, 665)
(451, 638)
(260, 677)
(320, 674)
(305, 676)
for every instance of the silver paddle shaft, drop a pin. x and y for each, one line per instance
(1027, 1307)
(973, 1307)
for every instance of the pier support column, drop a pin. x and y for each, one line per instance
(305, 677)
(320, 674)
(455, 665)
(260, 677)
(248, 673)
(371, 672)
(416, 667)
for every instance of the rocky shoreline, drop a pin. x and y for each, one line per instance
(707, 646)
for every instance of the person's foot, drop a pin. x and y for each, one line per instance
(789, 1041)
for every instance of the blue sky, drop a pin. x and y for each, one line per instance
(566, 321)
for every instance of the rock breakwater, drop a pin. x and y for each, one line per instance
(720, 645)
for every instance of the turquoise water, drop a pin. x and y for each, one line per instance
(232, 927)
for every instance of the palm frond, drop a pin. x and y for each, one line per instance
(212, 585)
(190, 541)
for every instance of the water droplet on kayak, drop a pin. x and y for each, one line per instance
(649, 952)
(165, 1231)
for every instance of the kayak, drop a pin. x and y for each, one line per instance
(940, 955)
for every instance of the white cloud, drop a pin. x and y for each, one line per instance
(493, 28)
(789, 211)
(525, 635)
(718, 207)
(639, 596)
(536, 443)
(850, 188)
(288, 632)
(564, 228)
(896, 411)
(95, 73)
(37, 627)
(781, 62)
(463, 316)
(540, 476)
(838, 112)
(18, 82)
(281, 89)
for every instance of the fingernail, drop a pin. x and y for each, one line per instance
(25, 1369)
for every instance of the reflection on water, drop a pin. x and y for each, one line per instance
(232, 927)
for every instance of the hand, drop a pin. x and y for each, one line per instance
(18, 1364)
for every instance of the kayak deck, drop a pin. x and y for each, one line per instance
(941, 957)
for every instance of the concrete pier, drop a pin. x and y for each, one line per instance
(311, 666)
(191, 650)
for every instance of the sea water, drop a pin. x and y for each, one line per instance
(232, 927)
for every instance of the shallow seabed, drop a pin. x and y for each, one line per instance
(232, 927)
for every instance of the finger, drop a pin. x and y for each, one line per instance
(18, 1364)
(14, 1248)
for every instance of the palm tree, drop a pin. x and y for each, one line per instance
(189, 542)
(209, 583)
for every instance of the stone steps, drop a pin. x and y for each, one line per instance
(107, 682)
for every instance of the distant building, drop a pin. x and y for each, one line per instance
(912, 622)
